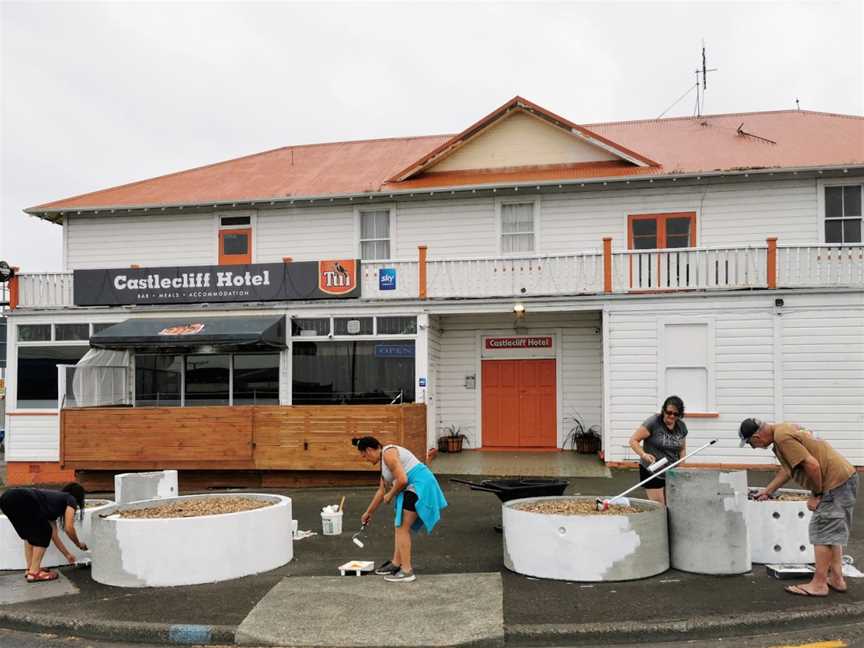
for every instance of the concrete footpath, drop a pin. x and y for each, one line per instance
(462, 596)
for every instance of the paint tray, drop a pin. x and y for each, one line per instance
(356, 568)
(790, 570)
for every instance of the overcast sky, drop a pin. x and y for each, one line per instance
(102, 93)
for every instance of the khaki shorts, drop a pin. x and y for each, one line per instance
(832, 519)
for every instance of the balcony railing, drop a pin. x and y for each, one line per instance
(581, 273)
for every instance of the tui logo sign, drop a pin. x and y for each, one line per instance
(337, 277)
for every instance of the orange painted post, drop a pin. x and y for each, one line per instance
(421, 254)
(287, 259)
(772, 261)
(607, 264)
(13, 289)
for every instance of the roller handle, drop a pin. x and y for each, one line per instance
(660, 472)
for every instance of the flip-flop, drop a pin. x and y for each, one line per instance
(798, 590)
(42, 576)
(837, 589)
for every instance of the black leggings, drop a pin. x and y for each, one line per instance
(22, 509)
(409, 501)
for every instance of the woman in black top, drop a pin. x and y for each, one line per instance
(662, 435)
(34, 512)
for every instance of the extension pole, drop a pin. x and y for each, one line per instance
(602, 504)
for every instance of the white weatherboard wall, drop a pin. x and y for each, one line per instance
(305, 234)
(742, 212)
(115, 241)
(823, 373)
(802, 362)
(33, 438)
(579, 370)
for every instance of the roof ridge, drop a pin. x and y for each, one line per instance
(227, 161)
(717, 115)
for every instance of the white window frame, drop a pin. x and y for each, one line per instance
(499, 204)
(821, 185)
(681, 363)
(358, 228)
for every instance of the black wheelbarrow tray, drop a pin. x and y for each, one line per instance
(510, 489)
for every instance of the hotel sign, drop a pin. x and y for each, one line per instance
(519, 342)
(331, 279)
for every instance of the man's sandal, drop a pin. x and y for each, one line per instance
(41, 576)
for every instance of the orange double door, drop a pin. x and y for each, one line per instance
(519, 404)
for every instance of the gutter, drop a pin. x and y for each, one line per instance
(55, 215)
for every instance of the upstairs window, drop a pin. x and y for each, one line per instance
(843, 214)
(659, 231)
(235, 240)
(375, 234)
(517, 228)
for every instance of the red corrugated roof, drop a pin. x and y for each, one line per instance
(678, 145)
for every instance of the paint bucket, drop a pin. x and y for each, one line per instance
(331, 523)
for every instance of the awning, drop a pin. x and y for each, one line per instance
(224, 333)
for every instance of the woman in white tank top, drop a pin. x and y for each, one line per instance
(417, 497)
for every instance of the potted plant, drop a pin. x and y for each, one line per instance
(580, 437)
(452, 439)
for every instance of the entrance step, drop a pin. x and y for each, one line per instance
(519, 463)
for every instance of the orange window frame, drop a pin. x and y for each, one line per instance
(661, 226)
(235, 259)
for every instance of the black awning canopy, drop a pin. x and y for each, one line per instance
(222, 333)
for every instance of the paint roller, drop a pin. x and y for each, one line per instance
(603, 505)
(356, 538)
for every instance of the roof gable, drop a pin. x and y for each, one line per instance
(521, 134)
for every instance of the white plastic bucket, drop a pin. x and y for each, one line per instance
(331, 523)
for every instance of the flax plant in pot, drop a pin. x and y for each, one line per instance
(580, 437)
(452, 439)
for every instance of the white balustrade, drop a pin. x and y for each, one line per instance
(689, 269)
(820, 265)
(720, 268)
(406, 283)
(559, 274)
(45, 290)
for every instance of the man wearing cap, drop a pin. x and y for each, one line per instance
(833, 485)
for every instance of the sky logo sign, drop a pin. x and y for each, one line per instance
(387, 279)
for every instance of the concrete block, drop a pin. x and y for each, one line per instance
(164, 552)
(134, 487)
(585, 547)
(708, 532)
(780, 530)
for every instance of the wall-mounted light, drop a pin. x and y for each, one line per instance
(519, 310)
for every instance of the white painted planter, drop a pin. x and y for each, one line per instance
(585, 547)
(12, 547)
(779, 531)
(165, 552)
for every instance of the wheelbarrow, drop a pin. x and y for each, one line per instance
(510, 489)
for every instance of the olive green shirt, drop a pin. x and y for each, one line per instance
(792, 445)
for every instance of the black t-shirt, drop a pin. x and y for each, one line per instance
(663, 442)
(52, 504)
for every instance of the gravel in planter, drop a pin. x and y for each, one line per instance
(576, 507)
(197, 507)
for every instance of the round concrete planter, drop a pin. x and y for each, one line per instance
(12, 547)
(585, 547)
(707, 521)
(779, 531)
(160, 552)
